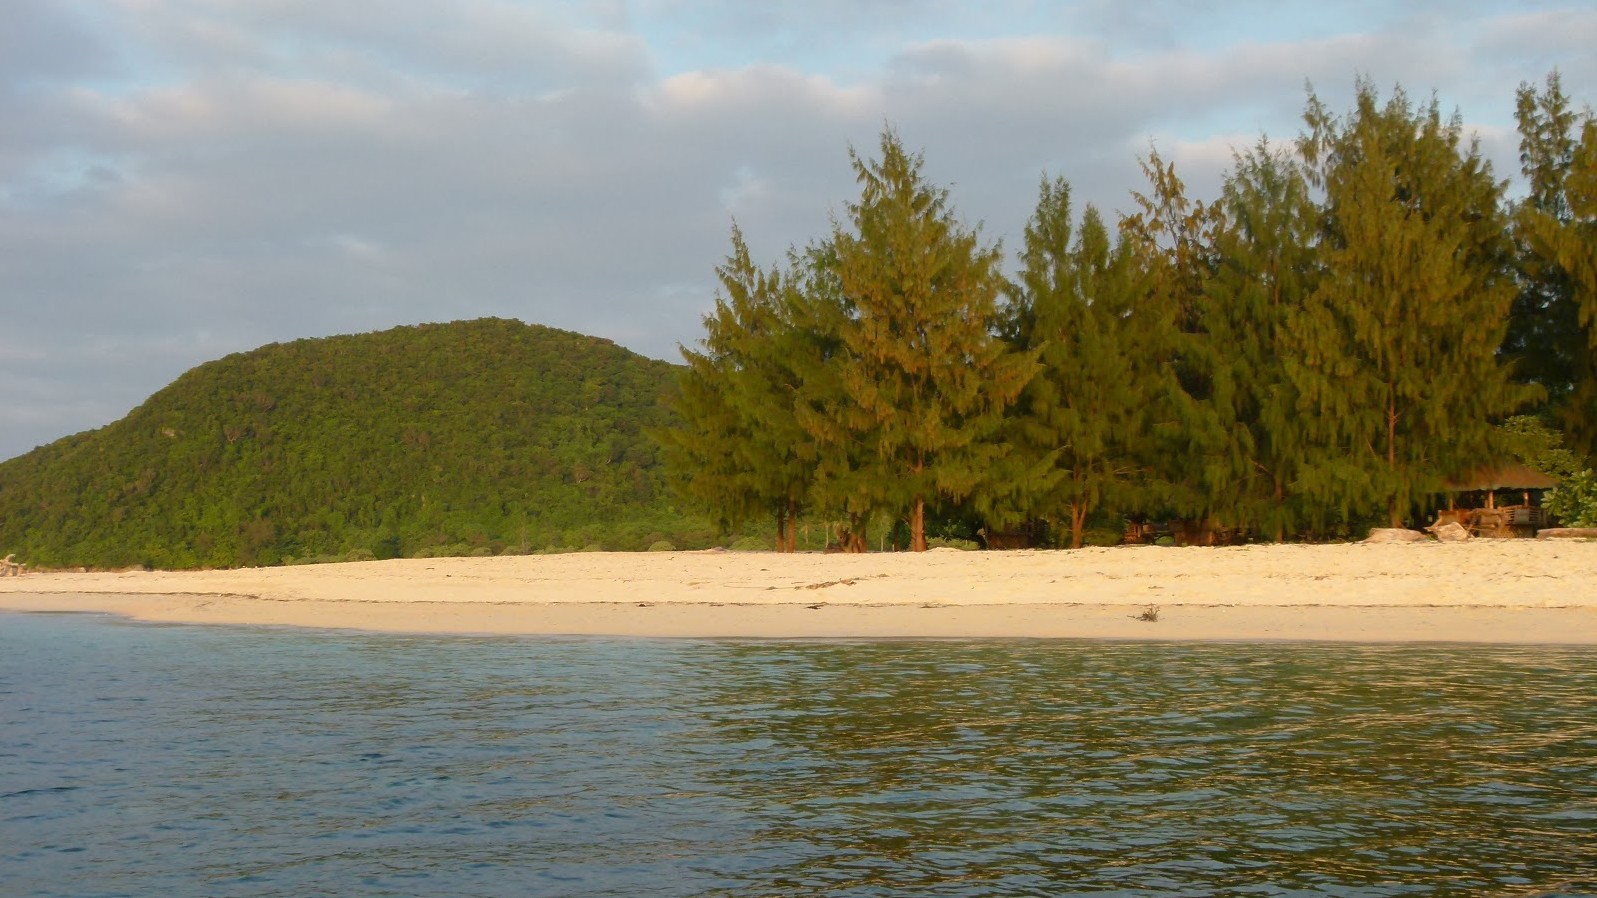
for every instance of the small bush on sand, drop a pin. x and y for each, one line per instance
(1574, 501)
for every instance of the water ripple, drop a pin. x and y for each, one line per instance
(139, 760)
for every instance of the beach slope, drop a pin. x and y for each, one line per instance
(1510, 591)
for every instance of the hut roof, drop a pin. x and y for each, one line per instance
(1512, 476)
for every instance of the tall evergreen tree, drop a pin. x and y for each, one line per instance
(1545, 339)
(929, 381)
(1553, 338)
(1171, 241)
(738, 449)
(1079, 421)
(1398, 341)
(1265, 267)
(1577, 254)
(847, 476)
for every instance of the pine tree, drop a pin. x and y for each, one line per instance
(1545, 340)
(1078, 423)
(1266, 266)
(1553, 334)
(1397, 343)
(926, 379)
(1171, 242)
(738, 449)
(1577, 254)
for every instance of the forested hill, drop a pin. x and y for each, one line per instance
(470, 437)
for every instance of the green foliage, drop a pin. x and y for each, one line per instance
(1317, 350)
(1183, 443)
(1555, 334)
(1545, 339)
(1103, 537)
(925, 381)
(1266, 266)
(446, 439)
(1397, 344)
(1072, 437)
(862, 379)
(1529, 440)
(736, 447)
(1574, 501)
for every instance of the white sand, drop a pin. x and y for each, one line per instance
(1525, 591)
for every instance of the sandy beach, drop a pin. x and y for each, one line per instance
(1509, 591)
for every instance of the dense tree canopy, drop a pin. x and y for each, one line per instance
(1553, 331)
(1401, 335)
(484, 436)
(1073, 434)
(922, 367)
(1319, 349)
(865, 377)
(1359, 316)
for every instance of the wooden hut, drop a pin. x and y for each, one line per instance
(1498, 501)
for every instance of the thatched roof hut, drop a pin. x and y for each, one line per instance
(1511, 476)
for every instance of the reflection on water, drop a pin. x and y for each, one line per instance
(138, 760)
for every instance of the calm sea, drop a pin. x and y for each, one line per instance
(175, 761)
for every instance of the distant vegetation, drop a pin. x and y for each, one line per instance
(1359, 316)
(477, 437)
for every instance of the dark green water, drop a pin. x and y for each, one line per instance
(186, 761)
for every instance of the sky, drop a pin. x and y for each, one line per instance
(184, 179)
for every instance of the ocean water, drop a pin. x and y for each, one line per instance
(171, 761)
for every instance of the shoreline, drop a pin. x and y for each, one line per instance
(1508, 591)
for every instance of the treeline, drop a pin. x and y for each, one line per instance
(1356, 318)
(480, 437)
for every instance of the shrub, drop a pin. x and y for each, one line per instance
(1574, 501)
(662, 545)
(1103, 536)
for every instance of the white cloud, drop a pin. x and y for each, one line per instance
(185, 178)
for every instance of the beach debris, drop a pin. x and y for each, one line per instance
(1394, 535)
(1567, 533)
(1149, 614)
(1450, 532)
(10, 567)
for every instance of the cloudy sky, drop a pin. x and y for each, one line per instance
(182, 179)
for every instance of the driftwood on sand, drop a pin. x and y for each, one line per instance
(1394, 535)
(10, 567)
(1567, 533)
(1450, 532)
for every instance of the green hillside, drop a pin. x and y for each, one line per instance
(472, 437)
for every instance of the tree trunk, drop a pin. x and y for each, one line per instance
(1392, 511)
(917, 526)
(792, 526)
(1280, 499)
(854, 540)
(1078, 524)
